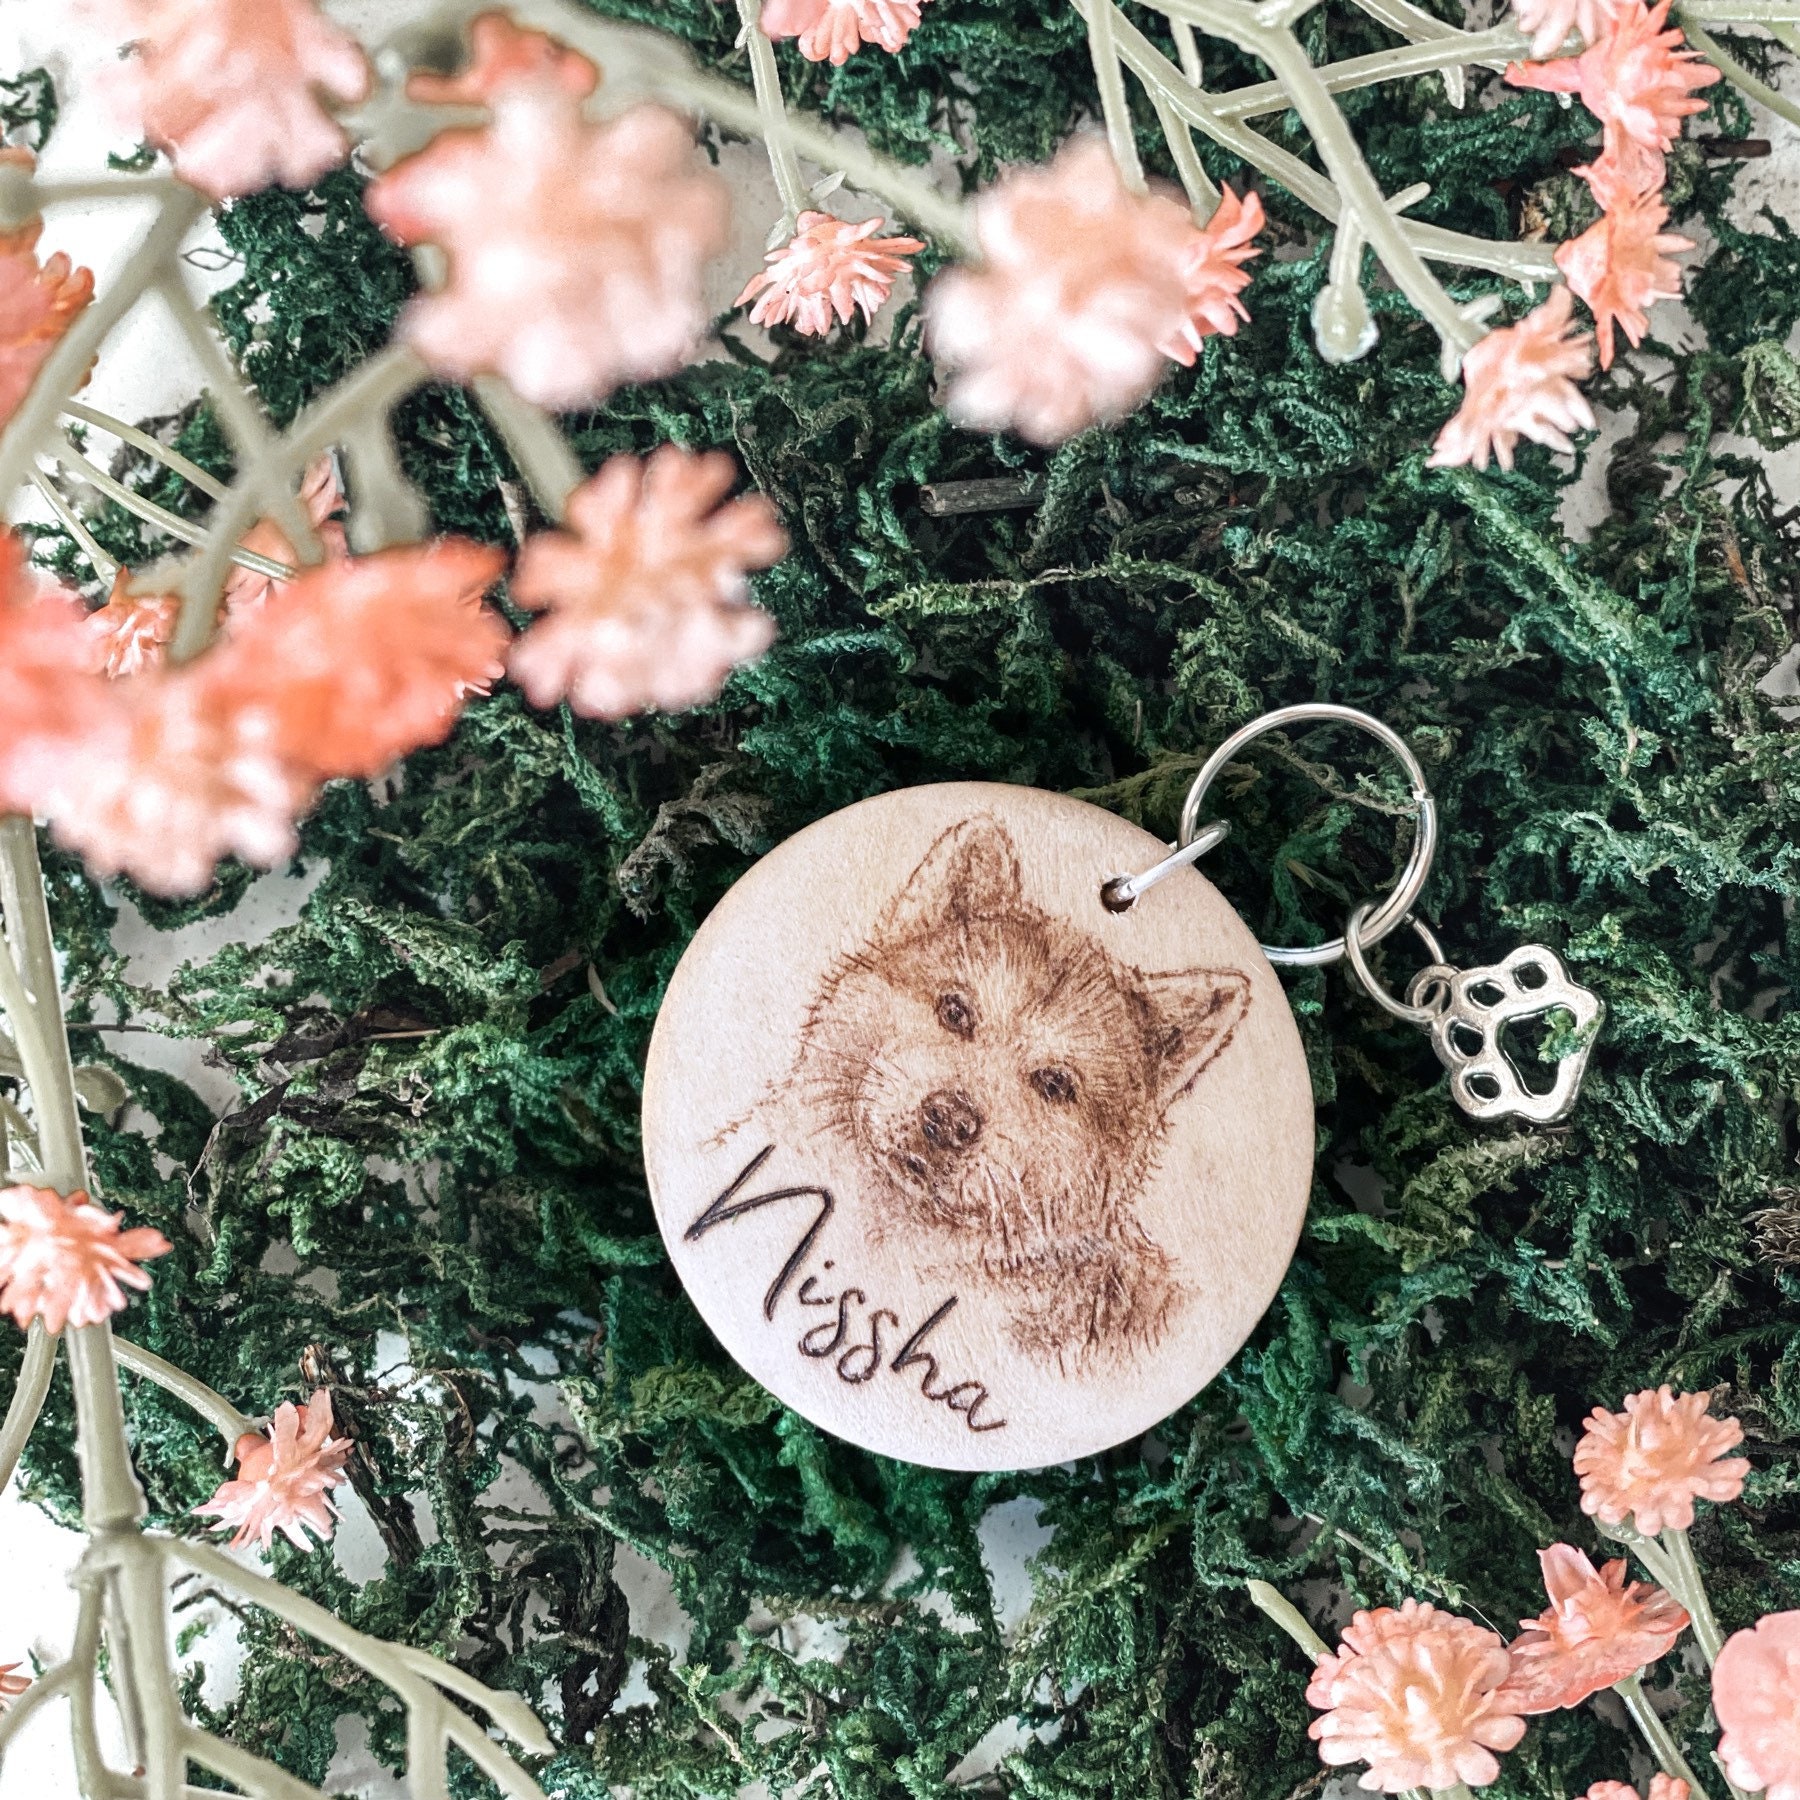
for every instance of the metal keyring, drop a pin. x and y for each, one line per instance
(1431, 984)
(1122, 891)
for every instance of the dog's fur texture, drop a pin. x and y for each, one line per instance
(1006, 1085)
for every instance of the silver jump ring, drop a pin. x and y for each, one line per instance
(1394, 909)
(1432, 983)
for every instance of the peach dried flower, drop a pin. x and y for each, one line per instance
(500, 54)
(646, 599)
(1597, 1629)
(12, 1684)
(1651, 1462)
(355, 662)
(1081, 286)
(324, 500)
(179, 773)
(284, 1479)
(132, 631)
(1211, 263)
(1756, 1695)
(830, 268)
(66, 1261)
(1637, 81)
(233, 90)
(1550, 21)
(575, 250)
(1662, 1787)
(834, 30)
(1417, 1695)
(38, 303)
(1519, 382)
(49, 695)
(1620, 265)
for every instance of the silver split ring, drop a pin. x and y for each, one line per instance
(1429, 991)
(1392, 911)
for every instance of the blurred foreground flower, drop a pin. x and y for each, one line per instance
(284, 1479)
(38, 303)
(1417, 1695)
(1638, 81)
(48, 694)
(1662, 1787)
(1519, 382)
(646, 599)
(12, 1684)
(830, 268)
(358, 661)
(1756, 1694)
(339, 672)
(575, 250)
(501, 55)
(1650, 1463)
(834, 30)
(1551, 21)
(1598, 1629)
(174, 774)
(1084, 292)
(231, 89)
(66, 1261)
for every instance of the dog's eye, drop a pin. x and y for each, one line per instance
(1055, 1084)
(955, 1014)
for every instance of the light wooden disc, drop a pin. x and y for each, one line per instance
(959, 1164)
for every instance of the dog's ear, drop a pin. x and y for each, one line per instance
(971, 872)
(1193, 1013)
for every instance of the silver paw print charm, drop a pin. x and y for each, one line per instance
(1466, 1013)
(1472, 1007)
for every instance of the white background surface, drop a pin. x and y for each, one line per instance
(146, 370)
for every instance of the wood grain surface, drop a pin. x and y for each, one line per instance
(958, 1163)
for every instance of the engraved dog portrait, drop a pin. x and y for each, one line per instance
(1005, 1084)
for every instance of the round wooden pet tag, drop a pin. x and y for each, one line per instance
(956, 1162)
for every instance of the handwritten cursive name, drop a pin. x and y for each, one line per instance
(850, 1336)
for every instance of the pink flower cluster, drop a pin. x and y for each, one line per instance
(1424, 1698)
(157, 771)
(646, 600)
(1756, 1694)
(829, 269)
(1084, 295)
(66, 1261)
(235, 90)
(159, 774)
(834, 30)
(38, 303)
(284, 1479)
(1640, 83)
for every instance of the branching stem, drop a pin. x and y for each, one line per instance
(35, 1370)
(213, 1407)
(772, 113)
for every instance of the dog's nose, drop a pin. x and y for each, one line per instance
(949, 1119)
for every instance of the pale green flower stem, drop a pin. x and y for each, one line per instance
(1690, 1590)
(27, 1397)
(1655, 1733)
(772, 113)
(123, 1575)
(213, 1407)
